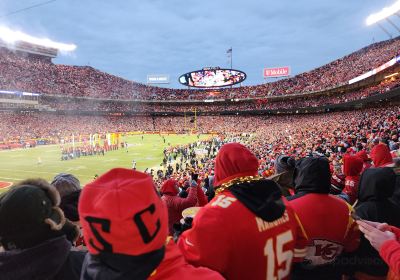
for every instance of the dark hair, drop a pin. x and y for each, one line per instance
(195, 176)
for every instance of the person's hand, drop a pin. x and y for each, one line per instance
(380, 226)
(375, 236)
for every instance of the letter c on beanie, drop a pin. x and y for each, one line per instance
(122, 213)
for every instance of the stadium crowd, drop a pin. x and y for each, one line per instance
(298, 136)
(19, 127)
(23, 73)
(282, 197)
(313, 196)
(68, 104)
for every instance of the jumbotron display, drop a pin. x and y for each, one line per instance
(212, 77)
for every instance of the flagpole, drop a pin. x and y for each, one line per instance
(231, 56)
(195, 119)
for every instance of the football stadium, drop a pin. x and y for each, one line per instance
(255, 154)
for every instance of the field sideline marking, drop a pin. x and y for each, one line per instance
(8, 178)
(44, 172)
(24, 149)
(28, 171)
(5, 185)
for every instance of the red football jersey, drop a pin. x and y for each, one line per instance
(328, 225)
(229, 238)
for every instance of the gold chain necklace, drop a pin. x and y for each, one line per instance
(227, 185)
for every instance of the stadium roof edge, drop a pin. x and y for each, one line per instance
(30, 48)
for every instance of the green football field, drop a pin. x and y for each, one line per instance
(19, 164)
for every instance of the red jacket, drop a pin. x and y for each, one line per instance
(352, 167)
(228, 238)
(201, 197)
(176, 204)
(174, 266)
(390, 253)
(328, 225)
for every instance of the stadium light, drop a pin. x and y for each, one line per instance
(384, 13)
(11, 36)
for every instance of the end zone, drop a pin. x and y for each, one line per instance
(4, 185)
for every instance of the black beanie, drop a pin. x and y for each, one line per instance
(284, 163)
(69, 204)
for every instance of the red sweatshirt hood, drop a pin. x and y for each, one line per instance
(352, 165)
(380, 155)
(234, 160)
(169, 188)
(363, 155)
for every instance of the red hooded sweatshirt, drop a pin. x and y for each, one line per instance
(381, 156)
(352, 167)
(176, 204)
(364, 156)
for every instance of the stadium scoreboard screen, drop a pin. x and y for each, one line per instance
(212, 77)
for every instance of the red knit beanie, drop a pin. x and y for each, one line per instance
(122, 213)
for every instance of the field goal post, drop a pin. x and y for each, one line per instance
(187, 126)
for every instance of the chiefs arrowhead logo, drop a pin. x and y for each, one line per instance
(327, 252)
(323, 251)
